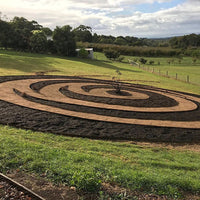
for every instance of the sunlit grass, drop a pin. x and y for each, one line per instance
(86, 163)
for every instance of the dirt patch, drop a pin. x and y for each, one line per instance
(49, 191)
(46, 189)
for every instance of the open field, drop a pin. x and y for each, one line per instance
(171, 170)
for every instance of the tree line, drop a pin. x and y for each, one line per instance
(24, 35)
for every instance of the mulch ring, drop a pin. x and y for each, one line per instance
(37, 120)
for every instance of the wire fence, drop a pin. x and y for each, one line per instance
(166, 73)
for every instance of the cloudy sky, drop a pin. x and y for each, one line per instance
(140, 18)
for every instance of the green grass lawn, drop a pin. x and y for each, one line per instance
(86, 163)
(186, 67)
(17, 63)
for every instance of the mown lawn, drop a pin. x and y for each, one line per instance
(87, 163)
(18, 63)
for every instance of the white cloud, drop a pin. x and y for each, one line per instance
(109, 16)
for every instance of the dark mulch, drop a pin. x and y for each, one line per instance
(27, 118)
(9, 192)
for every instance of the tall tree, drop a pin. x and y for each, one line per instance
(5, 34)
(47, 31)
(83, 33)
(22, 31)
(38, 41)
(120, 41)
(64, 41)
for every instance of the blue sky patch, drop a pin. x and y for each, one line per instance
(154, 7)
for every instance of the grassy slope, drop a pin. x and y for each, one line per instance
(83, 162)
(12, 63)
(86, 163)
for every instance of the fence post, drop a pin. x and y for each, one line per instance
(176, 76)
(188, 79)
(166, 73)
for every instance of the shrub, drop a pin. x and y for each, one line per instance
(143, 61)
(194, 60)
(151, 62)
(111, 54)
(120, 59)
(86, 181)
(83, 53)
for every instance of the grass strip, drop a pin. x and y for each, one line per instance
(86, 163)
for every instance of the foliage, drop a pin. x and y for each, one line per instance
(47, 31)
(133, 50)
(143, 61)
(129, 41)
(83, 53)
(151, 62)
(185, 41)
(64, 41)
(51, 47)
(5, 34)
(38, 41)
(111, 54)
(83, 33)
(194, 60)
(116, 84)
(120, 58)
(120, 41)
(22, 31)
(21, 34)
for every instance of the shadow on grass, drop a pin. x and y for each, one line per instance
(101, 63)
(31, 62)
(25, 62)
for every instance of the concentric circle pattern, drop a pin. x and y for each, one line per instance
(96, 100)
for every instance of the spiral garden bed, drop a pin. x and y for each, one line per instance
(88, 107)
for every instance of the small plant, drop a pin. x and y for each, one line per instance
(120, 59)
(87, 181)
(169, 62)
(111, 54)
(116, 84)
(151, 62)
(194, 60)
(143, 61)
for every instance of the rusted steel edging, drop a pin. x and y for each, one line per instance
(21, 187)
